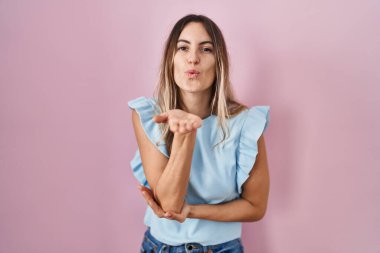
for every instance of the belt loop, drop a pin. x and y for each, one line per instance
(163, 248)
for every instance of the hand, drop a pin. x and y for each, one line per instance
(149, 198)
(179, 121)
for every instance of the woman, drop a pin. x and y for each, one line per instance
(201, 155)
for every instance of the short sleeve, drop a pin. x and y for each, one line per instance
(145, 108)
(138, 171)
(255, 123)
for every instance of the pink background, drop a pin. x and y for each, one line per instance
(68, 68)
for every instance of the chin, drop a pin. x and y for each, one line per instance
(189, 90)
(192, 86)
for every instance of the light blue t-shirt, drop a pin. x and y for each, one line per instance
(216, 176)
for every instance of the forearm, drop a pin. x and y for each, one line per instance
(172, 185)
(239, 210)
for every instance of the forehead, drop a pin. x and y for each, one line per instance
(194, 32)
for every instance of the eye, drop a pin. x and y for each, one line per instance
(181, 48)
(207, 49)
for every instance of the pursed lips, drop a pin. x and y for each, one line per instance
(192, 71)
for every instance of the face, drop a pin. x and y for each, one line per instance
(194, 60)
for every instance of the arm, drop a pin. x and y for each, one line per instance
(254, 198)
(168, 178)
(171, 188)
(250, 207)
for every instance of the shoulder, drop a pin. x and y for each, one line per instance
(143, 104)
(251, 116)
(143, 111)
(255, 121)
(257, 115)
(143, 108)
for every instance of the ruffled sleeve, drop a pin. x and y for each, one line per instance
(256, 121)
(145, 108)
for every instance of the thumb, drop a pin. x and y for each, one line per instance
(173, 216)
(161, 118)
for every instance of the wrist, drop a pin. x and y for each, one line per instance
(183, 140)
(189, 134)
(191, 211)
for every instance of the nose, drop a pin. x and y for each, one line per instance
(193, 57)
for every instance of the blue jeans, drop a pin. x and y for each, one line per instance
(152, 245)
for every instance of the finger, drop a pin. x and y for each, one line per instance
(197, 124)
(152, 203)
(147, 197)
(146, 189)
(174, 126)
(168, 215)
(161, 118)
(143, 188)
(189, 125)
(149, 194)
(174, 216)
(182, 127)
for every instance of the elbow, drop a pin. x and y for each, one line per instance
(256, 214)
(260, 215)
(168, 203)
(255, 211)
(172, 206)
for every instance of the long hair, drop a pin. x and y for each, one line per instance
(222, 102)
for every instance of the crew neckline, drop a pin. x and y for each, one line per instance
(208, 119)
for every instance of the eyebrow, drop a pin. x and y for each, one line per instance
(201, 43)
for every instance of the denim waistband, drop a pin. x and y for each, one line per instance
(191, 247)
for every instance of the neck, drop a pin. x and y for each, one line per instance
(197, 103)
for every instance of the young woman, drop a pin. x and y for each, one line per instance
(201, 157)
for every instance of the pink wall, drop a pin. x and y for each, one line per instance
(67, 69)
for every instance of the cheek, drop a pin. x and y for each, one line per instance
(211, 70)
(176, 66)
(175, 70)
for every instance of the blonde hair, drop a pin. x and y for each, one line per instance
(222, 102)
